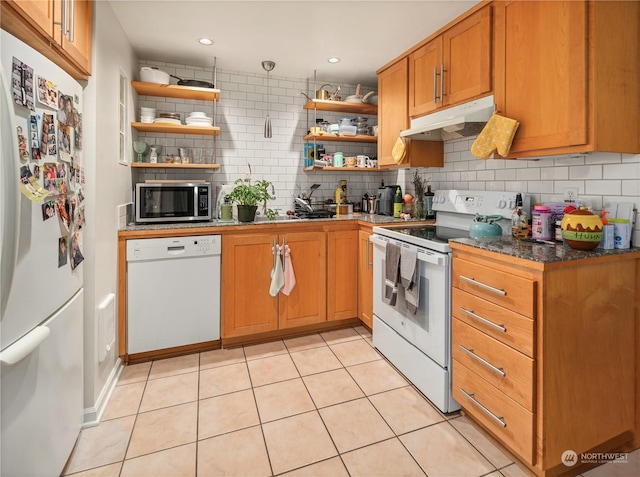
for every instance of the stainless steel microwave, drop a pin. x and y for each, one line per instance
(173, 202)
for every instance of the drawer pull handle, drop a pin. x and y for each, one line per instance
(493, 368)
(484, 285)
(483, 320)
(499, 420)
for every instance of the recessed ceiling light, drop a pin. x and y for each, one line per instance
(205, 41)
(333, 60)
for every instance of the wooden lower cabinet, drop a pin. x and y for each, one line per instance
(365, 278)
(545, 354)
(342, 273)
(247, 260)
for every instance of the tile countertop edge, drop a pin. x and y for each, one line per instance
(213, 227)
(544, 256)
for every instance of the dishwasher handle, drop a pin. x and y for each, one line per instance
(176, 250)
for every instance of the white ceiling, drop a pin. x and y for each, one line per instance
(299, 35)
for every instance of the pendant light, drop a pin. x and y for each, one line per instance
(268, 66)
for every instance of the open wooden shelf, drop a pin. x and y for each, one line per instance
(341, 106)
(342, 169)
(175, 91)
(341, 138)
(169, 128)
(163, 165)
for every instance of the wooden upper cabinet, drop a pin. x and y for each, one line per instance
(569, 72)
(424, 78)
(40, 12)
(452, 68)
(393, 117)
(39, 25)
(80, 48)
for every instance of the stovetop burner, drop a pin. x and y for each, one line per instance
(435, 237)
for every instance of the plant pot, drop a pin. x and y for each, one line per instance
(247, 213)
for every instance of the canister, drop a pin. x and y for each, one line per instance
(541, 223)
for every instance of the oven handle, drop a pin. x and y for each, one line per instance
(423, 255)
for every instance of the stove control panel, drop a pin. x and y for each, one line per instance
(469, 202)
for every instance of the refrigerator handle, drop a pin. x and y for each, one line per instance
(24, 346)
(9, 213)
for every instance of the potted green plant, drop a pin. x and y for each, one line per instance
(248, 194)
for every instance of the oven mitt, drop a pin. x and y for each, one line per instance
(392, 264)
(289, 275)
(399, 151)
(497, 135)
(277, 279)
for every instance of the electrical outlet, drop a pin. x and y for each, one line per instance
(570, 194)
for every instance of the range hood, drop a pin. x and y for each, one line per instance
(452, 123)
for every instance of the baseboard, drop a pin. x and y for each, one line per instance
(92, 415)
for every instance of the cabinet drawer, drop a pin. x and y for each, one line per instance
(505, 368)
(504, 289)
(507, 420)
(500, 323)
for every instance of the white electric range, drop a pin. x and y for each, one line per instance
(419, 344)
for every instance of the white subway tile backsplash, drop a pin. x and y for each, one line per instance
(585, 172)
(621, 171)
(601, 187)
(241, 112)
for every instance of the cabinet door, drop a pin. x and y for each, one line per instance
(247, 306)
(467, 58)
(365, 278)
(342, 274)
(424, 78)
(541, 72)
(393, 114)
(40, 13)
(79, 50)
(307, 303)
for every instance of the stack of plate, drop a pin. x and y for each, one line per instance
(172, 118)
(147, 115)
(198, 118)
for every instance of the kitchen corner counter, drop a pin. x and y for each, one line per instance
(544, 255)
(215, 226)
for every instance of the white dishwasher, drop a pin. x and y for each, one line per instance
(173, 292)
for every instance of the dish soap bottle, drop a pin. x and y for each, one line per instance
(397, 204)
(519, 221)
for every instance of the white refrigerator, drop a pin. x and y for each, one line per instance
(41, 285)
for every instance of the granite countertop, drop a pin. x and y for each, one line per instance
(369, 218)
(537, 252)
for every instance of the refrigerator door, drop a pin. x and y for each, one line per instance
(38, 286)
(43, 391)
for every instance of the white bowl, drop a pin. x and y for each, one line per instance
(153, 75)
(197, 114)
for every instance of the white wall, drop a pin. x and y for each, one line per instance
(108, 185)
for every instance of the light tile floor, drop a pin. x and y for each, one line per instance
(327, 404)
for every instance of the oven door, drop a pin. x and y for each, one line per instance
(429, 328)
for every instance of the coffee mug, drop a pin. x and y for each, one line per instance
(338, 159)
(372, 162)
(361, 161)
(350, 161)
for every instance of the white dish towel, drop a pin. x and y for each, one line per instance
(277, 276)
